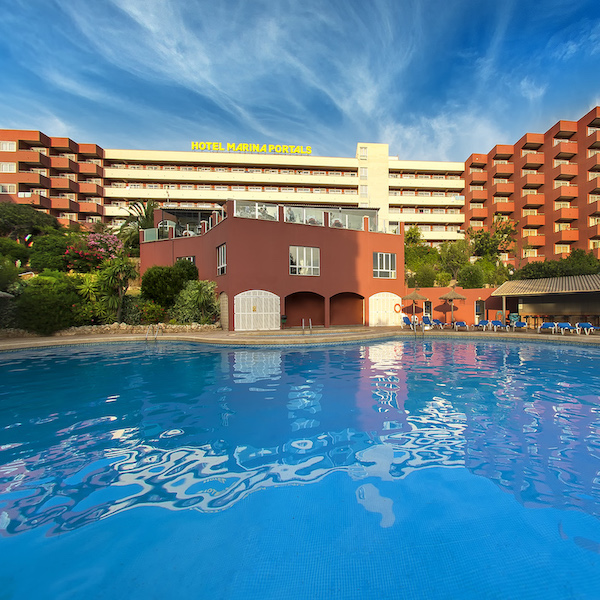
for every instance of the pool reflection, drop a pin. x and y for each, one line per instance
(203, 429)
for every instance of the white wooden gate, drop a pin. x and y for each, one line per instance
(256, 310)
(385, 310)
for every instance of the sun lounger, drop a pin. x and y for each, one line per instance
(519, 325)
(496, 324)
(587, 327)
(460, 325)
(438, 323)
(408, 322)
(562, 327)
(427, 322)
(483, 325)
(547, 326)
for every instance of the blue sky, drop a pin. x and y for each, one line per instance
(435, 79)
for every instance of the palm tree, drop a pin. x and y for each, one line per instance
(141, 216)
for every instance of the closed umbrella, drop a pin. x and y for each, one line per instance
(451, 296)
(413, 297)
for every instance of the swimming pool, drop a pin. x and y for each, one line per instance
(398, 469)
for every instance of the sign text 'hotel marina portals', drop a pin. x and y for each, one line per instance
(254, 148)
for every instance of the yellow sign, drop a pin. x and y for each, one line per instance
(255, 148)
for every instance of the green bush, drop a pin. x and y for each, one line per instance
(8, 313)
(9, 274)
(471, 276)
(48, 304)
(443, 278)
(163, 284)
(425, 276)
(48, 252)
(131, 311)
(187, 269)
(197, 303)
(14, 251)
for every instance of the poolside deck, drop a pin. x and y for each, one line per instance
(334, 335)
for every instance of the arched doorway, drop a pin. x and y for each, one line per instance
(347, 308)
(385, 310)
(307, 306)
(256, 310)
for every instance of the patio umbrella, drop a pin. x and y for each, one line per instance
(413, 297)
(451, 296)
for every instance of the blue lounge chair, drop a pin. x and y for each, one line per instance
(519, 325)
(438, 323)
(460, 325)
(587, 327)
(547, 326)
(562, 327)
(496, 324)
(427, 321)
(483, 324)
(408, 322)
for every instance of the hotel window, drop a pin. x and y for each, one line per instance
(530, 253)
(364, 191)
(191, 259)
(222, 259)
(8, 167)
(8, 146)
(8, 188)
(363, 172)
(305, 260)
(562, 248)
(186, 187)
(363, 152)
(384, 265)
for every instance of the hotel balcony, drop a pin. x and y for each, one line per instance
(35, 200)
(535, 241)
(478, 213)
(593, 232)
(564, 172)
(564, 150)
(502, 189)
(502, 170)
(592, 163)
(564, 192)
(531, 141)
(532, 181)
(531, 221)
(92, 208)
(62, 163)
(594, 208)
(593, 140)
(91, 151)
(529, 259)
(476, 178)
(502, 152)
(90, 189)
(91, 169)
(533, 160)
(504, 207)
(29, 158)
(567, 236)
(64, 145)
(30, 179)
(63, 183)
(566, 214)
(533, 200)
(64, 204)
(478, 194)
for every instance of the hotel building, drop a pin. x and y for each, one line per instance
(87, 184)
(546, 183)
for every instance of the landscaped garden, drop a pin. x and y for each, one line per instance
(52, 278)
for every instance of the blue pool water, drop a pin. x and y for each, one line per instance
(399, 469)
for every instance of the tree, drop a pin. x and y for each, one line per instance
(87, 252)
(500, 238)
(425, 276)
(454, 255)
(48, 252)
(471, 276)
(8, 273)
(114, 277)
(163, 284)
(416, 252)
(14, 251)
(577, 263)
(141, 216)
(17, 221)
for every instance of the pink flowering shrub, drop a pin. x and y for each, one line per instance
(87, 252)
